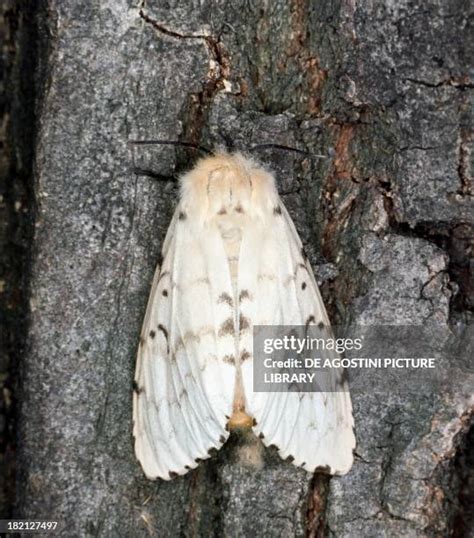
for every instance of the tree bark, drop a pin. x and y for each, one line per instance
(384, 90)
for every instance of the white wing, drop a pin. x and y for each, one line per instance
(185, 375)
(277, 287)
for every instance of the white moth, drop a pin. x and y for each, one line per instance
(232, 259)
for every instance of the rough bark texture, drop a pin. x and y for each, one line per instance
(385, 90)
(17, 122)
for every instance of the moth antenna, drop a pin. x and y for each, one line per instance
(170, 143)
(153, 175)
(286, 148)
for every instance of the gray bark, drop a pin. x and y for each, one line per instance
(384, 88)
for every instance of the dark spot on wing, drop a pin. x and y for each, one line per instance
(244, 323)
(244, 294)
(198, 460)
(310, 320)
(254, 422)
(227, 327)
(277, 210)
(136, 388)
(274, 446)
(222, 211)
(163, 330)
(303, 253)
(321, 325)
(171, 474)
(244, 355)
(164, 293)
(226, 298)
(222, 439)
(152, 334)
(261, 436)
(239, 209)
(293, 333)
(323, 469)
(182, 215)
(160, 259)
(212, 451)
(303, 286)
(187, 467)
(290, 459)
(229, 359)
(142, 341)
(163, 274)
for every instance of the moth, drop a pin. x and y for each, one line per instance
(231, 259)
